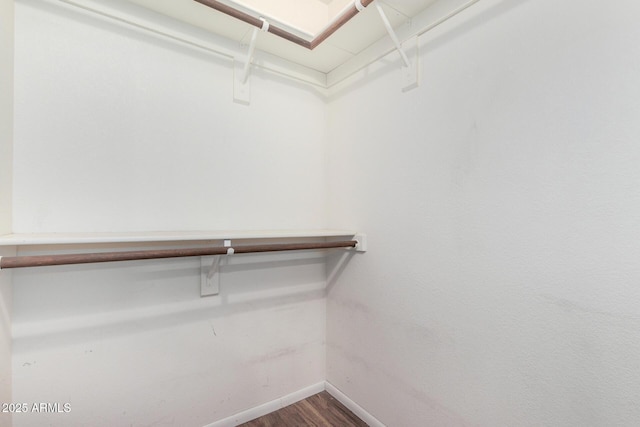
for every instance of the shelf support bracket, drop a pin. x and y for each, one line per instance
(210, 272)
(209, 275)
(410, 66)
(241, 84)
(362, 242)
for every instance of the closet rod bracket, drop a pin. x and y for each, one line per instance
(410, 72)
(241, 87)
(361, 246)
(210, 272)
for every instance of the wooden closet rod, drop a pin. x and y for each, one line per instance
(44, 260)
(343, 19)
(273, 29)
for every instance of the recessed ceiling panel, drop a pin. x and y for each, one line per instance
(306, 16)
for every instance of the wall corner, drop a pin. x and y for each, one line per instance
(6, 196)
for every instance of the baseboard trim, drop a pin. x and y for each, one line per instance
(296, 396)
(267, 408)
(353, 406)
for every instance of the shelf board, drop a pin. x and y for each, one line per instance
(24, 239)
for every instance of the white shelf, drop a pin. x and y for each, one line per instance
(161, 236)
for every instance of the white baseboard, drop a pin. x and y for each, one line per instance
(267, 408)
(296, 396)
(353, 406)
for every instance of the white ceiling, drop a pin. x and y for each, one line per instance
(360, 32)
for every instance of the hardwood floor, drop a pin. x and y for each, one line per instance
(321, 410)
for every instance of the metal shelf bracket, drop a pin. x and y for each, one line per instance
(410, 72)
(210, 272)
(241, 84)
(362, 242)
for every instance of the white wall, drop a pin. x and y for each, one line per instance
(120, 130)
(6, 112)
(130, 132)
(501, 202)
(6, 144)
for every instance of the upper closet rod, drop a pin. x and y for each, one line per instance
(357, 6)
(44, 260)
(256, 22)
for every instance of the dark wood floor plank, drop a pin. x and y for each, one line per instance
(319, 410)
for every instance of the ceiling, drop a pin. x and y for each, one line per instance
(305, 18)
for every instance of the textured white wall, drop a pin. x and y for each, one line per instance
(119, 130)
(6, 145)
(501, 201)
